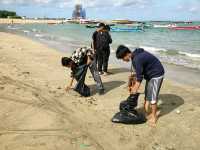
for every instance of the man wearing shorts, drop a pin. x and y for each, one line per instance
(146, 66)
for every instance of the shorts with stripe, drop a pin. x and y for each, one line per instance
(152, 89)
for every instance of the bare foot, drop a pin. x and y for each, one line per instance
(158, 113)
(148, 116)
(152, 124)
(152, 121)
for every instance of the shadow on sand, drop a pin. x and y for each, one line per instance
(118, 70)
(107, 85)
(169, 102)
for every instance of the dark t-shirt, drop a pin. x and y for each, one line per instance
(101, 43)
(146, 65)
(94, 38)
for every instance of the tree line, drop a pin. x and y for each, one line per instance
(9, 14)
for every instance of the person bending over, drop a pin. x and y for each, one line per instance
(80, 57)
(149, 67)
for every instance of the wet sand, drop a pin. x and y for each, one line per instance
(37, 114)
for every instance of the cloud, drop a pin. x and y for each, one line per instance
(194, 9)
(190, 6)
(24, 2)
(86, 3)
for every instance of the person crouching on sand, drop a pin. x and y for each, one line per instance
(83, 56)
(146, 66)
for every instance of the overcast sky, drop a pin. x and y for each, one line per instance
(108, 9)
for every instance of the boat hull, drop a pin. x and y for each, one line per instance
(125, 30)
(186, 28)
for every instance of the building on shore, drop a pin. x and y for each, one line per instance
(79, 12)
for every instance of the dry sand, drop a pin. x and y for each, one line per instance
(37, 114)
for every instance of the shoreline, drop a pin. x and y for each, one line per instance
(66, 39)
(176, 73)
(37, 113)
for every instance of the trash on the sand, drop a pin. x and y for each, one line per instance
(84, 145)
(178, 111)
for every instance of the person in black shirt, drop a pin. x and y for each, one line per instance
(101, 40)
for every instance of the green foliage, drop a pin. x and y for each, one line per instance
(15, 17)
(10, 14)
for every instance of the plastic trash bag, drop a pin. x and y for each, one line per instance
(130, 103)
(128, 114)
(81, 87)
(126, 117)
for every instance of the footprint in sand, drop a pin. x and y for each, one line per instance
(52, 91)
(59, 88)
(28, 73)
(91, 101)
(57, 92)
(192, 109)
(24, 74)
(2, 88)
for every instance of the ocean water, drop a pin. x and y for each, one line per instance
(174, 47)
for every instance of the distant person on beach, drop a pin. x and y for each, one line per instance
(146, 66)
(101, 45)
(83, 56)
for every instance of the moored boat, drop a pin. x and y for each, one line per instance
(52, 23)
(186, 28)
(90, 26)
(116, 29)
(164, 26)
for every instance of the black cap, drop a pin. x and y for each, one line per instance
(107, 27)
(100, 25)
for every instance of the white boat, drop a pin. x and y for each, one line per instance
(87, 21)
(164, 26)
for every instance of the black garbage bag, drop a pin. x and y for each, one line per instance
(128, 114)
(130, 103)
(126, 117)
(81, 87)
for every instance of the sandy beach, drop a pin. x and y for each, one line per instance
(37, 114)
